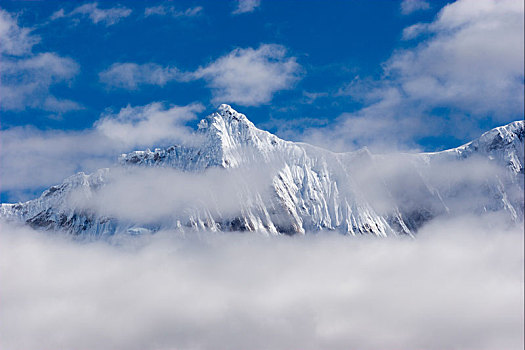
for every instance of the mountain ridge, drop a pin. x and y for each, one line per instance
(312, 189)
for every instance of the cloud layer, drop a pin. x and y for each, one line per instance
(459, 285)
(163, 196)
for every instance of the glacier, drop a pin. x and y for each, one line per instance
(292, 187)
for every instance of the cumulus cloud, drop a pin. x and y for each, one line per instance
(247, 77)
(26, 76)
(467, 69)
(410, 6)
(34, 158)
(473, 60)
(162, 10)
(250, 77)
(458, 285)
(97, 15)
(245, 6)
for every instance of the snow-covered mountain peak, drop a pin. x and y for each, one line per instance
(225, 118)
(225, 138)
(229, 134)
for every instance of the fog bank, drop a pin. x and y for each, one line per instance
(459, 285)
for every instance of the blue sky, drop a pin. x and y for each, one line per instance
(390, 75)
(332, 42)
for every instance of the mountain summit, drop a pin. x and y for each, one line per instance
(286, 187)
(222, 139)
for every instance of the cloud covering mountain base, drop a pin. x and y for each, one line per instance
(458, 285)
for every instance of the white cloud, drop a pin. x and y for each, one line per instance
(458, 285)
(162, 10)
(469, 64)
(148, 125)
(131, 75)
(34, 158)
(245, 6)
(58, 14)
(248, 77)
(26, 77)
(410, 6)
(15, 40)
(473, 60)
(161, 196)
(26, 82)
(414, 31)
(311, 97)
(97, 15)
(60, 106)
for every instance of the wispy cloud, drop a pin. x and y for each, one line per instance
(15, 40)
(414, 31)
(107, 17)
(410, 6)
(131, 75)
(246, 6)
(311, 97)
(163, 10)
(248, 77)
(26, 76)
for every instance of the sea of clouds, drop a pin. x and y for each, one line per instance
(458, 285)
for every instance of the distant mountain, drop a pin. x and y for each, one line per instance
(308, 188)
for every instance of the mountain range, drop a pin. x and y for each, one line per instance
(254, 181)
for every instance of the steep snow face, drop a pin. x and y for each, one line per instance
(309, 189)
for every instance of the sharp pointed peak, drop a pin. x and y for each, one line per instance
(226, 111)
(225, 114)
(226, 108)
